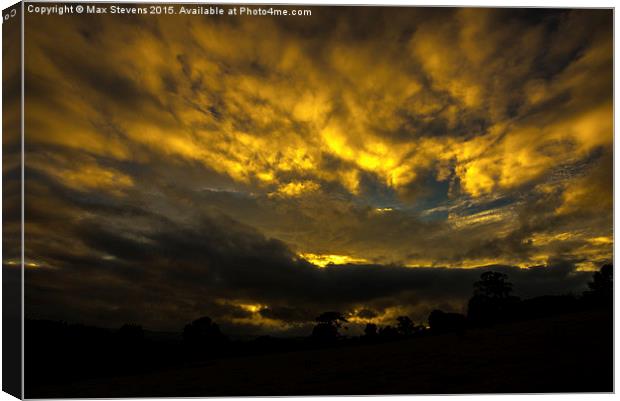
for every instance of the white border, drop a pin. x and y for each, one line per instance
(458, 3)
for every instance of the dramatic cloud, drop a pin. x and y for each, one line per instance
(166, 272)
(261, 170)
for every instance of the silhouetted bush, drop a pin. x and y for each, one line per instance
(388, 333)
(370, 331)
(405, 326)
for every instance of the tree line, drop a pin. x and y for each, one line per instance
(57, 351)
(492, 302)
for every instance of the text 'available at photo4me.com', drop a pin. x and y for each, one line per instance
(167, 9)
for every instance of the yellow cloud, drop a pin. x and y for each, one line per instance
(482, 103)
(297, 188)
(323, 260)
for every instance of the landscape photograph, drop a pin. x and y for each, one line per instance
(271, 200)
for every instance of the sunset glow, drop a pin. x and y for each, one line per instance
(262, 170)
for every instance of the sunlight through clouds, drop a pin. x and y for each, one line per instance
(419, 138)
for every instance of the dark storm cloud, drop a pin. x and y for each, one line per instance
(287, 314)
(177, 271)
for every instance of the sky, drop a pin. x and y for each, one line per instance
(261, 170)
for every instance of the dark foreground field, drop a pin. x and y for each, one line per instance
(565, 353)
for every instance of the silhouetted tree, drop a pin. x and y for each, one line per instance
(405, 326)
(603, 280)
(602, 286)
(203, 334)
(325, 332)
(328, 325)
(493, 285)
(370, 330)
(492, 300)
(332, 318)
(388, 332)
(442, 322)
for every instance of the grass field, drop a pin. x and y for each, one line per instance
(566, 353)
